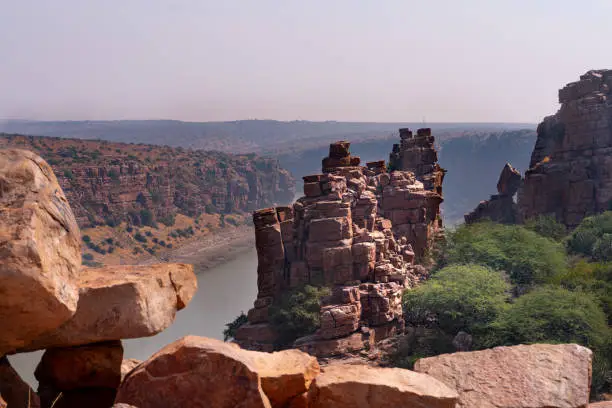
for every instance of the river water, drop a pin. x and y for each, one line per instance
(223, 292)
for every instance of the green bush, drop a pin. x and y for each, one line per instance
(146, 217)
(593, 238)
(547, 226)
(230, 328)
(88, 257)
(86, 238)
(550, 314)
(457, 298)
(139, 237)
(168, 220)
(524, 255)
(296, 313)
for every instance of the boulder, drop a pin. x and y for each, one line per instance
(14, 392)
(603, 404)
(95, 365)
(128, 365)
(362, 386)
(535, 376)
(41, 253)
(123, 302)
(217, 374)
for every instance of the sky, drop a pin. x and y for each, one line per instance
(345, 60)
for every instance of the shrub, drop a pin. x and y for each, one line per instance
(296, 313)
(129, 228)
(592, 238)
(148, 233)
(457, 298)
(88, 257)
(524, 255)
(547, 226)
(168, 220)
(230, 328)
(146, 217)
(86, 238)
(551, 314)
(139, 237)
(68, 174)
(232, 221)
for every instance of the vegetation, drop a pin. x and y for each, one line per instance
(230, 328)
(523, 254)
(296, 313)
(559, 291)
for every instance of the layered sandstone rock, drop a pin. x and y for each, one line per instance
(501, 207)
(41, 253)
(217, 374)
(536, 376)
(604, 404)
(15, 392)
(570, 174)
(123, 302)
(361, 386)
(357, 230)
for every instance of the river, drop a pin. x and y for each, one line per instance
(223, 292)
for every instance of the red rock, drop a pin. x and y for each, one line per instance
(362, 386)
(536, 376)
(13, 390)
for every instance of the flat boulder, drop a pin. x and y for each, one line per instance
(40, 253)
(123, 302)
(362, 386)
(534, 376)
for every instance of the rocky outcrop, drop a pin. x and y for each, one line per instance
(358, 230)
(536, 376)
(501, 207)
(113, 182)
(217, 374)
(80, 376)
(40, 250)
(123, 302)
(361, 386)
(569, 175)
(14, 392)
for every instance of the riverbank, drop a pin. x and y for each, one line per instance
(212, 250)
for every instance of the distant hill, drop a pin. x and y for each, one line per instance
(243, 136)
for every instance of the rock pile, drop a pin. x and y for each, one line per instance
(570, 174)
(358, 230)
(50, 302)
(500, 207)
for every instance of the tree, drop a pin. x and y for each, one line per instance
(593, 238)
(547, 226)
(232, 327)
(524, 255)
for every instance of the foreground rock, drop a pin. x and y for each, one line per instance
(536, 376)
(217, 374)
(361, 386)
(41, 253)
(123, 302)
(14, 392)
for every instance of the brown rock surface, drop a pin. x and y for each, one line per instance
(41, 253)
(535, 376)
(361, 386)
(570, 174)
(95, 365)
(128, 365)
(13, 390)
(211, 373)
(123, 302)
(500, 207)
(509, 180)
(603, 404)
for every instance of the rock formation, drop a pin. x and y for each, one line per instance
(358, 230)
(500, 207)
(536, 376)
(570, 174)
(50, 302)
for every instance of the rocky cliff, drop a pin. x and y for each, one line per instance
(357, 229)
(570, 174)
(107, 183)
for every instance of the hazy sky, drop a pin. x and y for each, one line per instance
(358, 60)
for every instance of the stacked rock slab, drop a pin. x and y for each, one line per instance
(570, 174)
(50, 302)
(341, 235)
(500, 207)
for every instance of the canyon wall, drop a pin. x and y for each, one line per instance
(570, 174)
(107, 183)
(358, 230)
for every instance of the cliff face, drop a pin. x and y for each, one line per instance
(113, 182)
(357, 229)
(570, 173)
